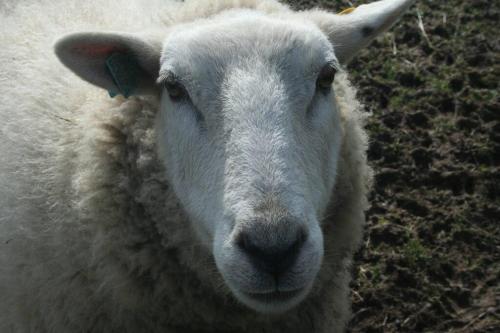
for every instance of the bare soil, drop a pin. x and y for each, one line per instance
(431, 255)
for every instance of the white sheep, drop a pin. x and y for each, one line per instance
(225, 194)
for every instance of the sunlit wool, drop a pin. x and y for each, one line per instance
(97, 232)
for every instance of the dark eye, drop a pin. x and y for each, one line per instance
(326, 77)
(175, 90)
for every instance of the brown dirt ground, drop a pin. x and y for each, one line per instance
(431, 255)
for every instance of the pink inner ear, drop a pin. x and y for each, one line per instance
(97, 50)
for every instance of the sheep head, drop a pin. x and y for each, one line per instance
(248, 130)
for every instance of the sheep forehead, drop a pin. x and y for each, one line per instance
(240, 38)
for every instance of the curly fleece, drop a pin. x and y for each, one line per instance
(92, 237)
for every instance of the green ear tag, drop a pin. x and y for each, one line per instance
(112, 93)
(124, 70)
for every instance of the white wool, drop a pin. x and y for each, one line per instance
(92, 236)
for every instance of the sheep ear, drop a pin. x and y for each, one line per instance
(120, 63)
(355, 28)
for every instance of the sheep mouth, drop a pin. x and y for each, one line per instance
(275, 296)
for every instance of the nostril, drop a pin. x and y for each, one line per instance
(274, 256)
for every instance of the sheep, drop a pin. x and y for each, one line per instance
(222, 189)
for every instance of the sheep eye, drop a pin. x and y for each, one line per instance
(175, 90)
(326, 77)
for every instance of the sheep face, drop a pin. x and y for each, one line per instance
(248, 130)
(250, 135)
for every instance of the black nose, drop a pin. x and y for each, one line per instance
(273, 251)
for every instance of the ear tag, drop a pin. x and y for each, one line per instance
(124, 70)
(347, 11)
(112, 93)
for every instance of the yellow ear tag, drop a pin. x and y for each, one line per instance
(347, 11)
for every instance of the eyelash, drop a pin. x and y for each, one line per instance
(326, 77)
(175, 90)
(178, 93)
